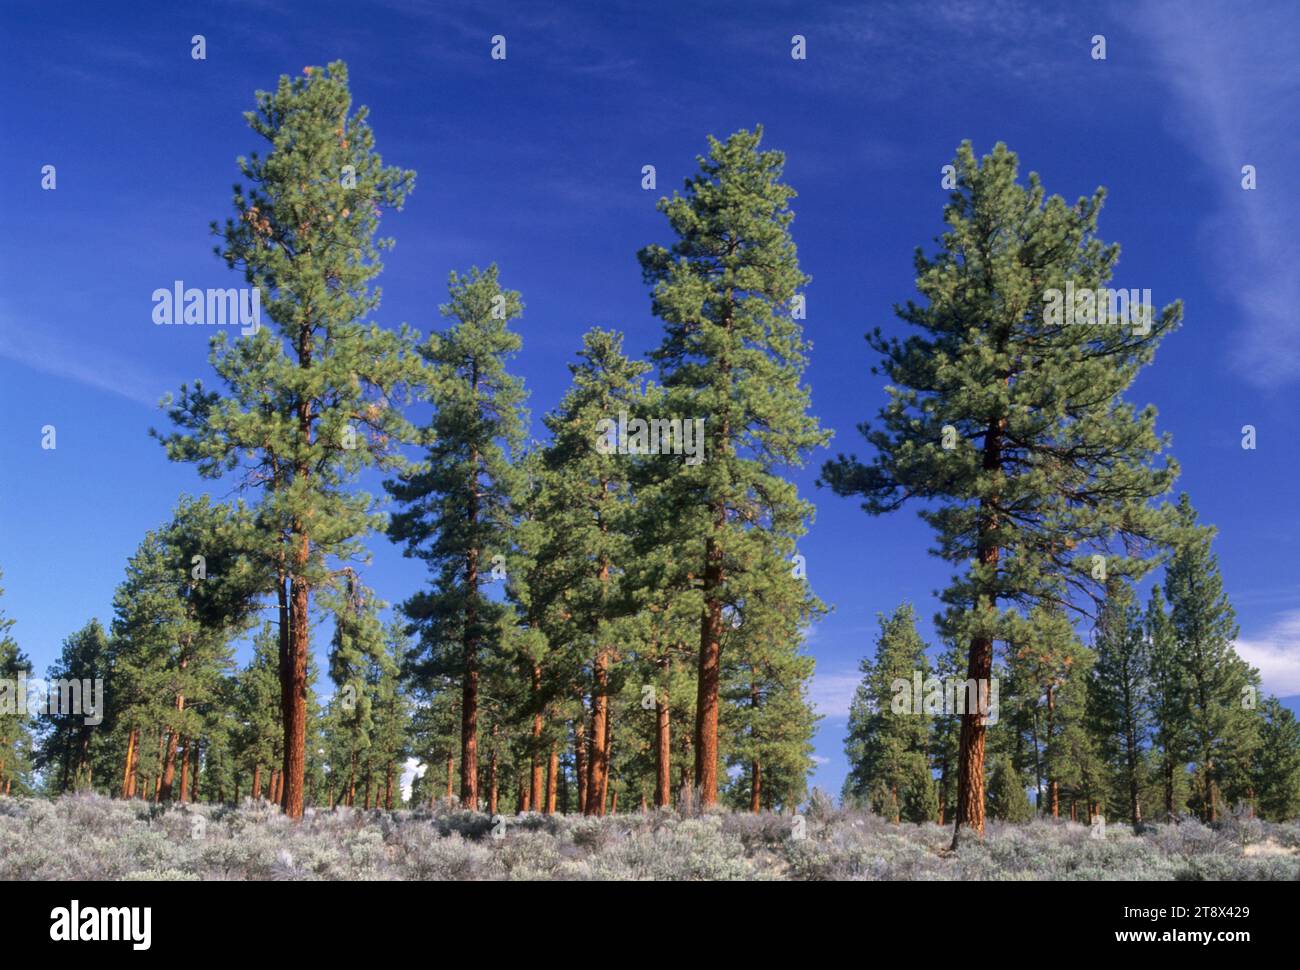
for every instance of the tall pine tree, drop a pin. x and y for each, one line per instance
(457, 506)
(314, 398)
(1008, 421)
(734, 355)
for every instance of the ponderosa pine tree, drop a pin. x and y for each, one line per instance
(1170, 711)
(734, 355)
(1119, 692)
(1277, 763)
(589, 528)
(358, 662)
(888, 734)
(1010, 424)
(1221, 689)
(765, 686)
(945, 733)
(190, 589)
(316, 397)
(15, 724)
(1050, 667)
(1007, 797)
(389, 736)
(259, 739)
(457, 506)
(211, 571)
(529, 644)
(66, 752)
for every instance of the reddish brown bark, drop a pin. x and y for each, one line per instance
(607, 753)
(451, 774)
(158, 769)
(552, 777)
(128, 774)
(169, 767)
(663, 754)
(185, 770)
(596, 761)
(710, 667)
(535, 749)
(295, 715)
(970, 759)
(257, 782)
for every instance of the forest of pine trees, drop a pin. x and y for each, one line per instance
(608, 630)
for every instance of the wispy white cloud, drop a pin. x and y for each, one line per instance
(1276, 653)
(1236, 78)
(832, 692)
(33, 346)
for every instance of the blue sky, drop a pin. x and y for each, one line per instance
(535, 162)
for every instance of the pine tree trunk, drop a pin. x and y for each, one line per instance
(535, 749)
(663, 754)
(388, 789)
(257, 782)
(492, 783)
(552, 772)
(1053, 788)
(295, 720)
(606, 754)
(710, 666)
(613, 808)
(194, 772)
(597, 763)
(451, 775)
(128, 776)
(185, 770)
(970, 761)
(158, 769)
(169, 767)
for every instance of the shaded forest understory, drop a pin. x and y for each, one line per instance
(91, 837)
